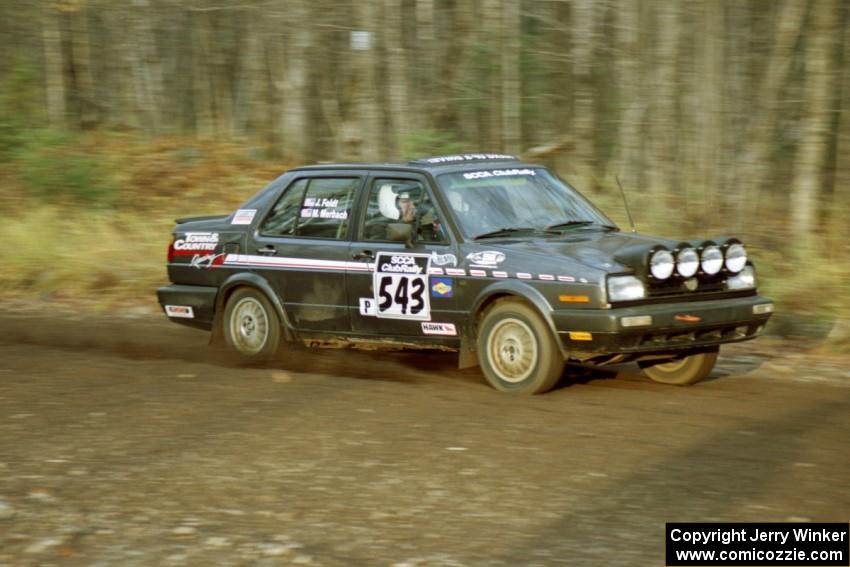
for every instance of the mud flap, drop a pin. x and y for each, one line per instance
(216, 333)
(467, 357)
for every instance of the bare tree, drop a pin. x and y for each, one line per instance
(510, 49)
(54, 65)
(817, 123)
(396, 81)
(82, 67)
(662, 132)
(364, 131)
(629, 87)
(584, 117)
(764, 109)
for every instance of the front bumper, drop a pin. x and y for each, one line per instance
(674, 326)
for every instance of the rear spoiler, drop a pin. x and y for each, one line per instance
(208, 217)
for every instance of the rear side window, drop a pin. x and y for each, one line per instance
(281, 221)
(315, 208)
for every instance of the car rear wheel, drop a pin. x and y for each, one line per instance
(518, 353)
(251, 325)
(681, 371)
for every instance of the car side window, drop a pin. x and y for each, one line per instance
(281, 221)
(401, 201)
(315, 208)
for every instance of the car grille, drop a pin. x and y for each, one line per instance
(677, 288)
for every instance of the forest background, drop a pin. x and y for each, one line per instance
(717, 116)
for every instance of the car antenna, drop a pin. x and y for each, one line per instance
(626, 203)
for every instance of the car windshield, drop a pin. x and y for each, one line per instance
(517, 202)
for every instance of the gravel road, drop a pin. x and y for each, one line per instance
(122, 444)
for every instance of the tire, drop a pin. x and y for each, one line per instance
(681, 371)
(250, 326)
(518, 353)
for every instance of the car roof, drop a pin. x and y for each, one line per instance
(433, 164)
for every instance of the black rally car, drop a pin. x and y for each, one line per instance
(480, 253)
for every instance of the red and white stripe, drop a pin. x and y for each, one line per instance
(302, 263)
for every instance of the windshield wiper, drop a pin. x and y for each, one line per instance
(511, 231)
(575, 223)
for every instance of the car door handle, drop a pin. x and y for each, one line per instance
(363, 255)
(267, 250)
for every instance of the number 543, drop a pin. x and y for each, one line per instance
(401, 295)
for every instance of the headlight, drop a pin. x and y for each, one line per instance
(736, 258)
(687, 262)
(661, 264)
(711, 260)
(744, 280)
(625, 288)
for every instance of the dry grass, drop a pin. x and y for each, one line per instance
(55, 254)
(107, 255)
(115, 255)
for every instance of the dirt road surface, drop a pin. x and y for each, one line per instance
(121, 444)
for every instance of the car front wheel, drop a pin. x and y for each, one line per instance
(518, 353)
(681, 371)
(251, 325)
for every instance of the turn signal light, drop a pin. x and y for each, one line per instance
(574, 298)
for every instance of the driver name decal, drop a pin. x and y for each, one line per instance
(401, 286)
(323, 208)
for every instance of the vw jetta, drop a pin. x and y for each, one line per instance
(483, 254)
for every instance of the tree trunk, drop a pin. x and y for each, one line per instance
(631, 107)
(584, 116)
(364, 126)
(816, 125)
(663, 135)
(837, 217)
(81, 62)
(399, 97)
(425, 64)
(54, 67)
(248, 106)
(764, 113)
(147, 71)
(705, 188)
(510, 49)
(738, 32)
(489, 39)
(201, 81)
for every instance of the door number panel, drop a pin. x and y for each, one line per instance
(401, 286)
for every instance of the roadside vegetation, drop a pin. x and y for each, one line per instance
(88, 216)
(718, 118)
(88, 219)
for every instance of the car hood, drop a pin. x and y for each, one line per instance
(587, 252)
